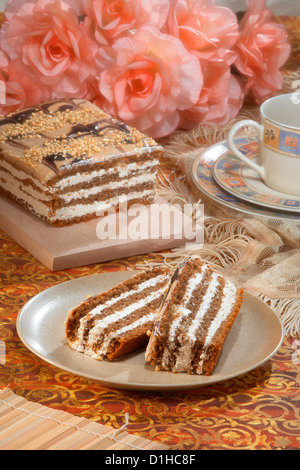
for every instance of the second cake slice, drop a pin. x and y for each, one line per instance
(194, 320)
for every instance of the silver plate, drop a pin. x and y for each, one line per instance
(254, 338)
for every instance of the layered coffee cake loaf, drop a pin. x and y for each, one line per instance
(67, 161)
(193, 320)
(116, 322)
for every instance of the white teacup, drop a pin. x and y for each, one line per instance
(279, 136)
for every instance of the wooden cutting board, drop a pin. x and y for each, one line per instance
(60, 248)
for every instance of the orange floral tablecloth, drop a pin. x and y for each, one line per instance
(258, 410)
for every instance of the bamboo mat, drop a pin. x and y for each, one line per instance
(25, 425)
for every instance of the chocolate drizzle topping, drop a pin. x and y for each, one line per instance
(22, 116)
(67, 104)
(50, 160)
(15, 143)
(57, 153)
(80, 131)
(19, 118)
(95, 128)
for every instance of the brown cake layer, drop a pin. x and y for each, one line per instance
(194, 320)
(116, 322)
(73, 219)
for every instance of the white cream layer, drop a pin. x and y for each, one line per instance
(229, 299)
(79, 344)
(71, 212)
(184, 354)
(81, 210)
(204, 307)
(182, 311)
(122, 171)
(110, 337)
(119, 171)
(102, 325)
(78, 194)
(128, 183)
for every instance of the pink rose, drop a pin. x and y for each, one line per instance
(111, 18)
(262, 50)
(47, 37)
(220, 99)
(19, 90)
(149, 78)
(77, 5)
(208, 30)
(13, 6)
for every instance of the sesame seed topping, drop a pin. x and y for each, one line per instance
(81, 132)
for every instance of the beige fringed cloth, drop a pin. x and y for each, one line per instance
(262, 255)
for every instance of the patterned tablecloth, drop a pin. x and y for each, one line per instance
(258, 410)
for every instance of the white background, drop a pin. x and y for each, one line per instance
(279, 7)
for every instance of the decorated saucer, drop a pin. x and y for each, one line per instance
(241, 181)
(202, 173)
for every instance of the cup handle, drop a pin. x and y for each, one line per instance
(231, 137)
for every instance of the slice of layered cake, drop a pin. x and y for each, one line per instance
(194, 320)
(116, 322)
(67, 161)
